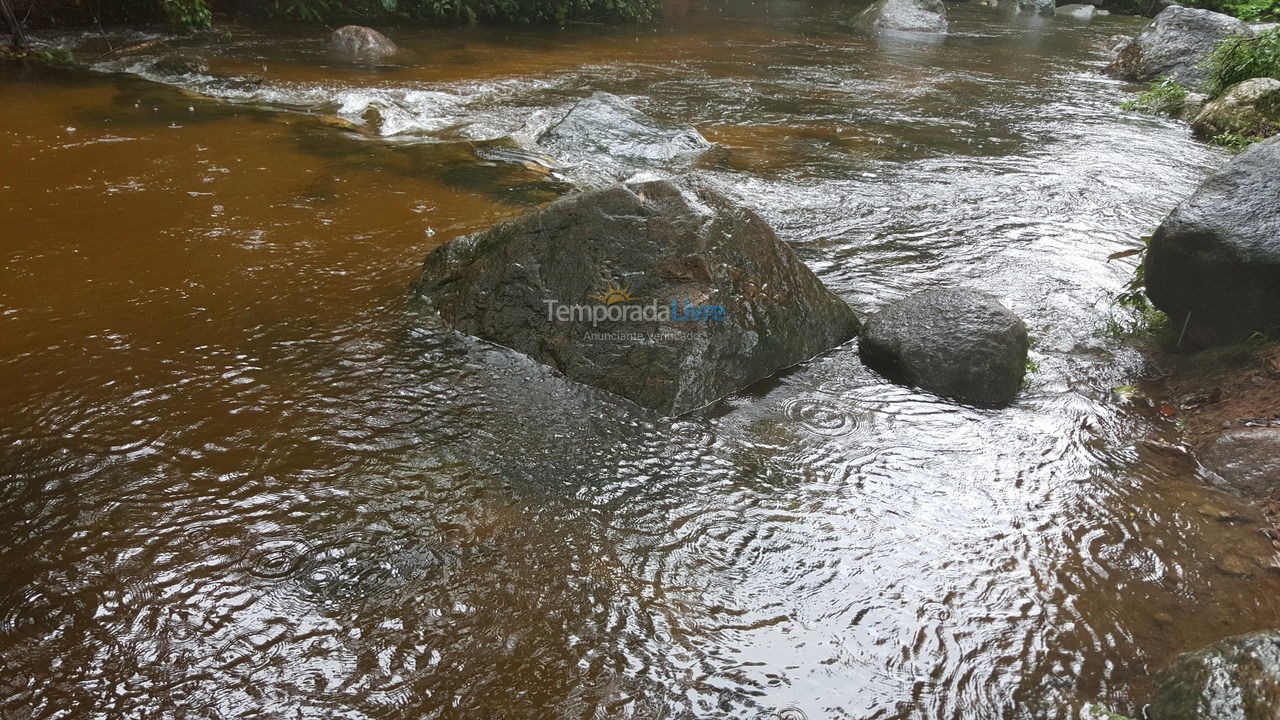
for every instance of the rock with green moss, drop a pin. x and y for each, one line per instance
(1250, 108)
(1234, 679)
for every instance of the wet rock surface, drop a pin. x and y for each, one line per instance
(958, 342)
(1234, 679)
(641, 248)
(1214, 263)
(1245, 460)
(1175, 45)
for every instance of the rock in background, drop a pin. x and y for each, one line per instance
(359, 44)
(921, 16)
(1175, 45)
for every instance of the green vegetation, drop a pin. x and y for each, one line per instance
(472, 11)
(199, 13)
(1248, 10)
(1234, 141)
(1241, 58)
(1137, 316)
(191, 13)
(1164, 97)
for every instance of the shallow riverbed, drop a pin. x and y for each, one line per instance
(241, 477)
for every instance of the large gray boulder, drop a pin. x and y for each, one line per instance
(1245, 460)
(1213, 265)
(665, 293)
(1234, 679)
(922, 16)
(958, 342)
(359, 44)
(1175, 44)
(1250, 108)
(606, 140)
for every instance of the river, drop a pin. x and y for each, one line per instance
(242, 477)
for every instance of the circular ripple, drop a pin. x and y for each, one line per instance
(935, 611)
(277, 559)
(821, 417)
(37, 612)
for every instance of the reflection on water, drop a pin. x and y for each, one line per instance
(243, 477)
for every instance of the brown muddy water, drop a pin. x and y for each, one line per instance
(243, 478)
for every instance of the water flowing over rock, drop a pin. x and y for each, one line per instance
(359, 44)
(927, 16)
(739, 305)
(1234, 679)
(1176, 44)
(1214, 263)
(959, 342)
(179, 65)
(1250, 108)
(609, 140)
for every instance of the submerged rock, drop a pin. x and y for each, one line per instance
(179, 65)
(1213, 265)
(609, 140)
(665, 293)
(927, 16)
(1250, 108)
(1234, 679)
(960, 343)
(1245, 460)
(1077, 11)
(359, 44)
(1175, 44)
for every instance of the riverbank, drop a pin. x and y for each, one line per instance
(1212, 392)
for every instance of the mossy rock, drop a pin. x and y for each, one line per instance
(1250, 108)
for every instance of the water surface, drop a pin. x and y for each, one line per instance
(242, 476)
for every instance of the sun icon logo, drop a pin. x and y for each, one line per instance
(614, 293)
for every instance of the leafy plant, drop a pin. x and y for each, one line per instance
(190, 13)
(1241, 58)
(1138, 315)
(468, 11)
(1233, 141)
(1164, 97)
(1247, 10)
